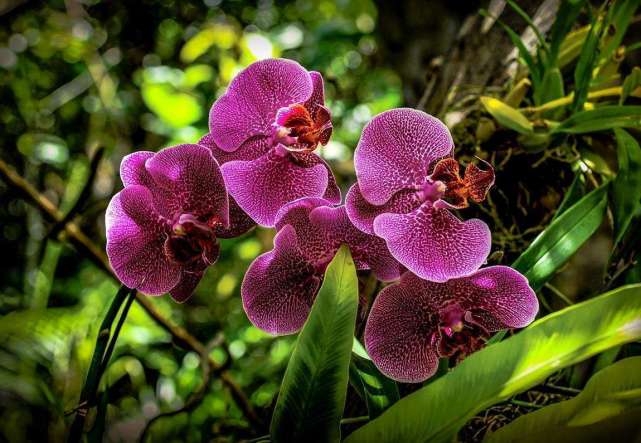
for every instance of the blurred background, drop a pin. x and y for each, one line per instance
(81, 77)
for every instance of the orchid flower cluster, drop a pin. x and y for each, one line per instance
(258, 165)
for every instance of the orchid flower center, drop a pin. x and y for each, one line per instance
(300, 130)
(459, 334)
(190, 240)
(456, 191)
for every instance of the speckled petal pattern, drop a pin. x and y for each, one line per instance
(362, 213)
(280, 286)
(368, 251)
(191, 176)
(433, 243)
(261, 187)
(396, 150)
(135, 238)
(253, 98)
(402, 335)
(400, 330)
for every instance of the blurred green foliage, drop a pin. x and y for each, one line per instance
(142, 75)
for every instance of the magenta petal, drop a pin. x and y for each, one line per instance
(362, 213)
(253, 98)
(263, 186)
(135, 242)
(186, 286)
(318, 91)
(132, 169)
(396, 150)
(239, 222)
(280, 286)
(251, 149)
(399, 333)
(368, 251)
(433, 243)
(502, 293)
(190, 174)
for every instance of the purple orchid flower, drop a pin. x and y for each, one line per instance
(264, 131)
(414, 322)
(162, 228)
(407, 182)
(281, 285)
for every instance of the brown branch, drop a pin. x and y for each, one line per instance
(86, 246)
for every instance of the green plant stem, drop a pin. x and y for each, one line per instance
(559, 294)
(351, 420)
(568, 99)
(102, 352)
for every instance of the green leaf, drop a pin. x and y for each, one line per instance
(507, 116)
(572, 195)
(378, 391)
(631, 82)
(562, 238)
(524, 53)
(626, 187)
(601, 119)
(565, 19)
(590, 416)
(585, 64)
(551, 89)
(436, 412)
(619, 17)
(312, 396)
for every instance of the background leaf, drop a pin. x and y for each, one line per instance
(565, 235)
(312, 396)
(378, 391)
(593, 415)
(436, 412)
(507, 116)
(601, 119)
(626, 187)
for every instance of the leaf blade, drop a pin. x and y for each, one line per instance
(312, 397)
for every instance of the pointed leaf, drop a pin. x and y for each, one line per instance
(609, 393)
(507, 116)
(601, 119)
(312, 397)
(378, 391)
(436, 412)
(626, 187)
(562, 238)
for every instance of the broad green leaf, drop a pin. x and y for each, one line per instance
(507, 116)
(601, 119)
(630, 84)
(378, 391)
(562, 238)
(626, 187)
(611, 392)
(312, 396)
(436, 412)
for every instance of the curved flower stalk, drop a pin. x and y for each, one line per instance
(407, 183)
(264, 131)
(162, 228)
(281, 285)
(415, 322)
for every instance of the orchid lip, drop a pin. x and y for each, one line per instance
(431, 191)
(190, 240)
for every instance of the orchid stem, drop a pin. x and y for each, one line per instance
(105, 343)
(351, 420)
